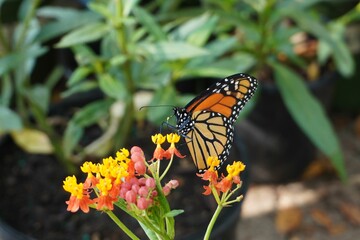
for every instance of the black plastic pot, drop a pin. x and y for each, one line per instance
(278, 149)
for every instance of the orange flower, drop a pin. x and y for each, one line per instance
(104, 200)
(209, 175)
(75, 203)
(207, 190)
(159, 152)
(173, 138)
(224, 185)
(79, 197)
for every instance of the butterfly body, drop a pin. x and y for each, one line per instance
(207, 121)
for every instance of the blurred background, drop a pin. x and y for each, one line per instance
(75, 73)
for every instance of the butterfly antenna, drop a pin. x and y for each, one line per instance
(141, 108)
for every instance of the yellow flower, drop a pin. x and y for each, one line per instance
(89, 168)
(212, 162)
(158, 139)
(122, 155)
(173, 138)
(104, 186)
(235, 169)
(71, 186)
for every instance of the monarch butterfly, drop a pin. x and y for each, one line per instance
(207, 121)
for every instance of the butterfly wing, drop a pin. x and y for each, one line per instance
(226, 97)
(211, 114)
(211, 136)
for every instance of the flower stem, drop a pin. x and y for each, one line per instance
(126, 123)
(212, 222)
(167, 168)
(121, 225)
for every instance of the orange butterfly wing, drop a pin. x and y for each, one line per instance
(208, 119)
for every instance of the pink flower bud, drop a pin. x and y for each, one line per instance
(150, 182)
(135, 188)
(142, 203)
(154, 193)
(134, 180)
(130, 196)
(173, 183)
(140, 167)
(143, 191)
(126, 185)
(136, 149)
(138, 157)
(166, 190)
(122, 193)
(142, 181)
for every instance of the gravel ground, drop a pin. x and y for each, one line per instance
(317, 207)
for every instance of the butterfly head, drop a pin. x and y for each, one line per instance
(183, 120)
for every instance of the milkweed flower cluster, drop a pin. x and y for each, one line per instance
(222, 187)
(133, 184)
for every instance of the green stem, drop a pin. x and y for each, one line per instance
(212, 222)
(169, 221)
(121, 225)
(262, 50)
(125, 124)
(122, 42)
(3, 40)
(167, 168)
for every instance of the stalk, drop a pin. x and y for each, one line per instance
(126, 123)
(121, 225)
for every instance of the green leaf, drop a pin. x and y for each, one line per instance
(149, 23)
(92, 113)
(9, 120)
(309, 115)
(80, 87)
(16, 59)
(112, 87)
(7, 90)
(78, 75)
(241, 62)
(129, 6)
(150, 234)
(216, 49)
(72, 136)
(66, 19)
(164, 51)
(40, 96)
(85, 34)
(197, 31)
(54, 77)
(102, 9)
(84, 54)
(174, 213)
(117, 60)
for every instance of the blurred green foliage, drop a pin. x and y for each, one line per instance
(266, 31)
(24, 103)
(145, 49)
